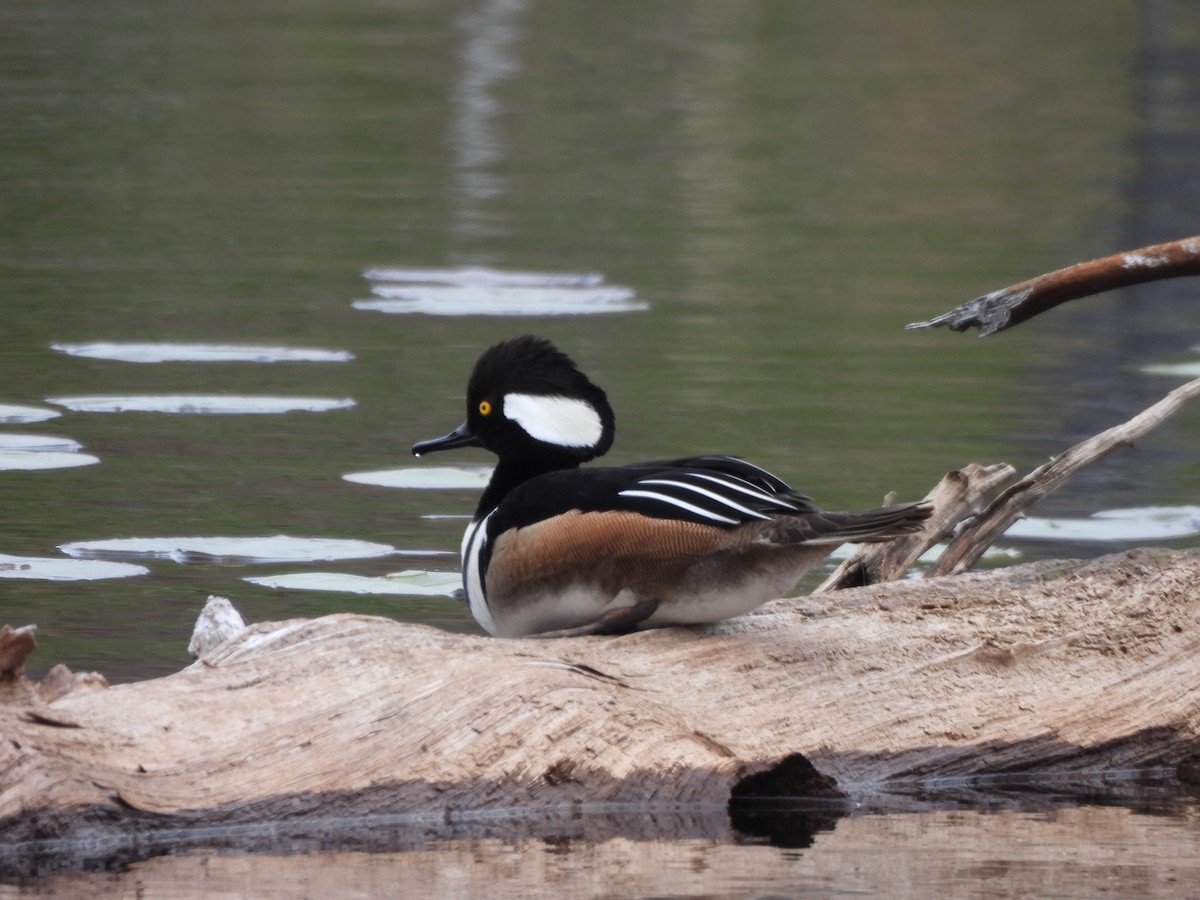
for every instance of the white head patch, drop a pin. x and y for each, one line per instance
(555, 420)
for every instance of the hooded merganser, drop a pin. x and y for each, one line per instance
(554, 549)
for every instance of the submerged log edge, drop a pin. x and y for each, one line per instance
(1061, 667)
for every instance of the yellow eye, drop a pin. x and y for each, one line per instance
(485, 408)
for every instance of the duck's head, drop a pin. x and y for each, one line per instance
(528, 403)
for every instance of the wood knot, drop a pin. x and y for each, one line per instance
(15, 646)
(792, 777)
(559, 772)
(992, 652)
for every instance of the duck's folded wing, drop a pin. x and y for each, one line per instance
(722, 491)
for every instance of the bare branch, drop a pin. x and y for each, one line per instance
(1014, 304)
(970, 543)
(961, 493)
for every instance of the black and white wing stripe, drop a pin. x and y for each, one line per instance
(746, 471)
(712, 491)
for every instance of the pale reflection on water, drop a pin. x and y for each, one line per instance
(1071, 852)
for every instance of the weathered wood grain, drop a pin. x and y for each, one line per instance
(1045, 667)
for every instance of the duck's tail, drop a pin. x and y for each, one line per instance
(861, 526)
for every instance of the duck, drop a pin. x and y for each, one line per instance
(559, 549)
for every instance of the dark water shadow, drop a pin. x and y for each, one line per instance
(112, 839)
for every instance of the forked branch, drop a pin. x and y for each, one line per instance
(973, 540)
(960, 494)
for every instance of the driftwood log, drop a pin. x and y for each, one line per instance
(1063, 667)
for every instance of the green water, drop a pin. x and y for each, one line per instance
(785, 184)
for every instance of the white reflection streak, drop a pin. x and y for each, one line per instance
(487, 59)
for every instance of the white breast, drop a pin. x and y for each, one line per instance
(473, 542)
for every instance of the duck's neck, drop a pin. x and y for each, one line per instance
(511, 473)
